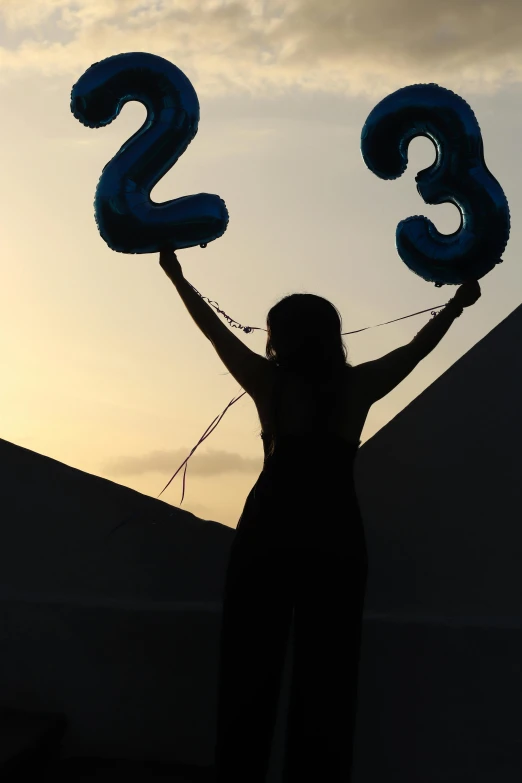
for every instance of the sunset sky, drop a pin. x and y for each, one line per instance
(103, 368)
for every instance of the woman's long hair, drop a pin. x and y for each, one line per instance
(304, 336)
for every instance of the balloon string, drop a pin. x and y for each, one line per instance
(234, 324)
(438, 307)
(210, 429)
(247, 329)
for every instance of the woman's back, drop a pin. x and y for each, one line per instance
(305, 494)
(290, 404)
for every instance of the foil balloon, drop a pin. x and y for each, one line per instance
(459, 176)
(127, 218)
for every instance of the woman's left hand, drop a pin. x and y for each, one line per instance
(170, 264)
(468, 293)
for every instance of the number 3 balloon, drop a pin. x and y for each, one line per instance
(127, 218)
(459, 176)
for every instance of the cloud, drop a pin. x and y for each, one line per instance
(209, 463)
(345, 46)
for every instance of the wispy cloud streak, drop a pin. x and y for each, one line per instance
(209, 463)
(357, 47)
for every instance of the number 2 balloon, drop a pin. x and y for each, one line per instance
(127, 218)
(459, 176)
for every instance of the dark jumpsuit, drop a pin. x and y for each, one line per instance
(299, 549)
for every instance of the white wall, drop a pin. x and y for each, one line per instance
(440, 490)
(119, 633)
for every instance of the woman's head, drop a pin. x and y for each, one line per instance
(304, 335)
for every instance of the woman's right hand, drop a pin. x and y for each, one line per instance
(467, 294)
(170, 264)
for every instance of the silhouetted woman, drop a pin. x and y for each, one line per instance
(300, 548)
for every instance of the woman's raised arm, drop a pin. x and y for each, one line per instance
(379, 377)
(248, 368)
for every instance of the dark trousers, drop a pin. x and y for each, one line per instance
(326, 593)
